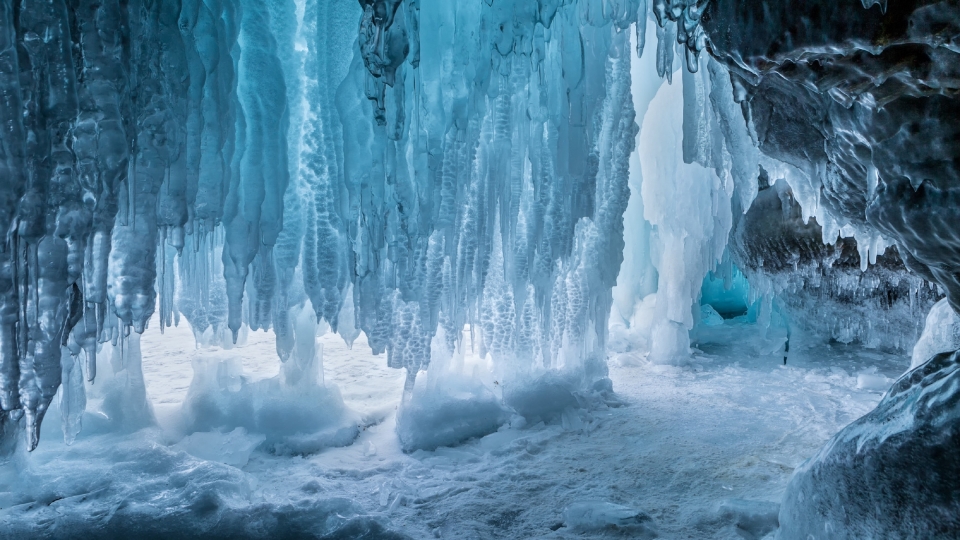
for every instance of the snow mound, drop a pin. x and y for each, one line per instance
(452, 407)
(857, 485)
(294, 419)
(549, 396)
(592, 516)
(460, 409)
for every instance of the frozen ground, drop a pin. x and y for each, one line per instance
(702, 451)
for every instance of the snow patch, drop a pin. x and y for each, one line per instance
(460, 409)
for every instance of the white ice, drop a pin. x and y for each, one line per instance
(941, 333)
(704, 451)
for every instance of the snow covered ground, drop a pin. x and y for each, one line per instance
(702, 451)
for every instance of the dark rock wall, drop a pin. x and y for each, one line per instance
(822, 286)
(866, 101)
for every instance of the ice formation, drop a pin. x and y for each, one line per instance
(514, 177)
(941, 333)
(400, 166)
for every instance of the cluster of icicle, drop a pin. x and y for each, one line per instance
(228, 160)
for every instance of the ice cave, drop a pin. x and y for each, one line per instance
(480, 269)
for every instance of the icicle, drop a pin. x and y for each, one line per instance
(73, 399)
(12, 185)
(9, 346)
(253, 212)
(40, 371)
(665, 35)
(236, 160)
(641, 27)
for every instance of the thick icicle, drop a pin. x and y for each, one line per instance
(254, 213)
(231, 160)
(132, 267)
(12, 184)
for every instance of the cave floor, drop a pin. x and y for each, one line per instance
(704, 450)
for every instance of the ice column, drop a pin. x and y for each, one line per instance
(686, 196)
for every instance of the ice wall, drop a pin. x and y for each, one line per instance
(504, 144)
(138, 137)
(399, 165)
(696, 166)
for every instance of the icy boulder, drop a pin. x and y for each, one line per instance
(709, 316)
(750, 520)
(232, 448)
(445, 415)
(895, 473)
(544, 398)
(941, 333)
(596, 516)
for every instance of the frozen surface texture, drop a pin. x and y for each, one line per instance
(747, 423)
(892, 473)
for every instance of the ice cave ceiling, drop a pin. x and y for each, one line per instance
(409, 167)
